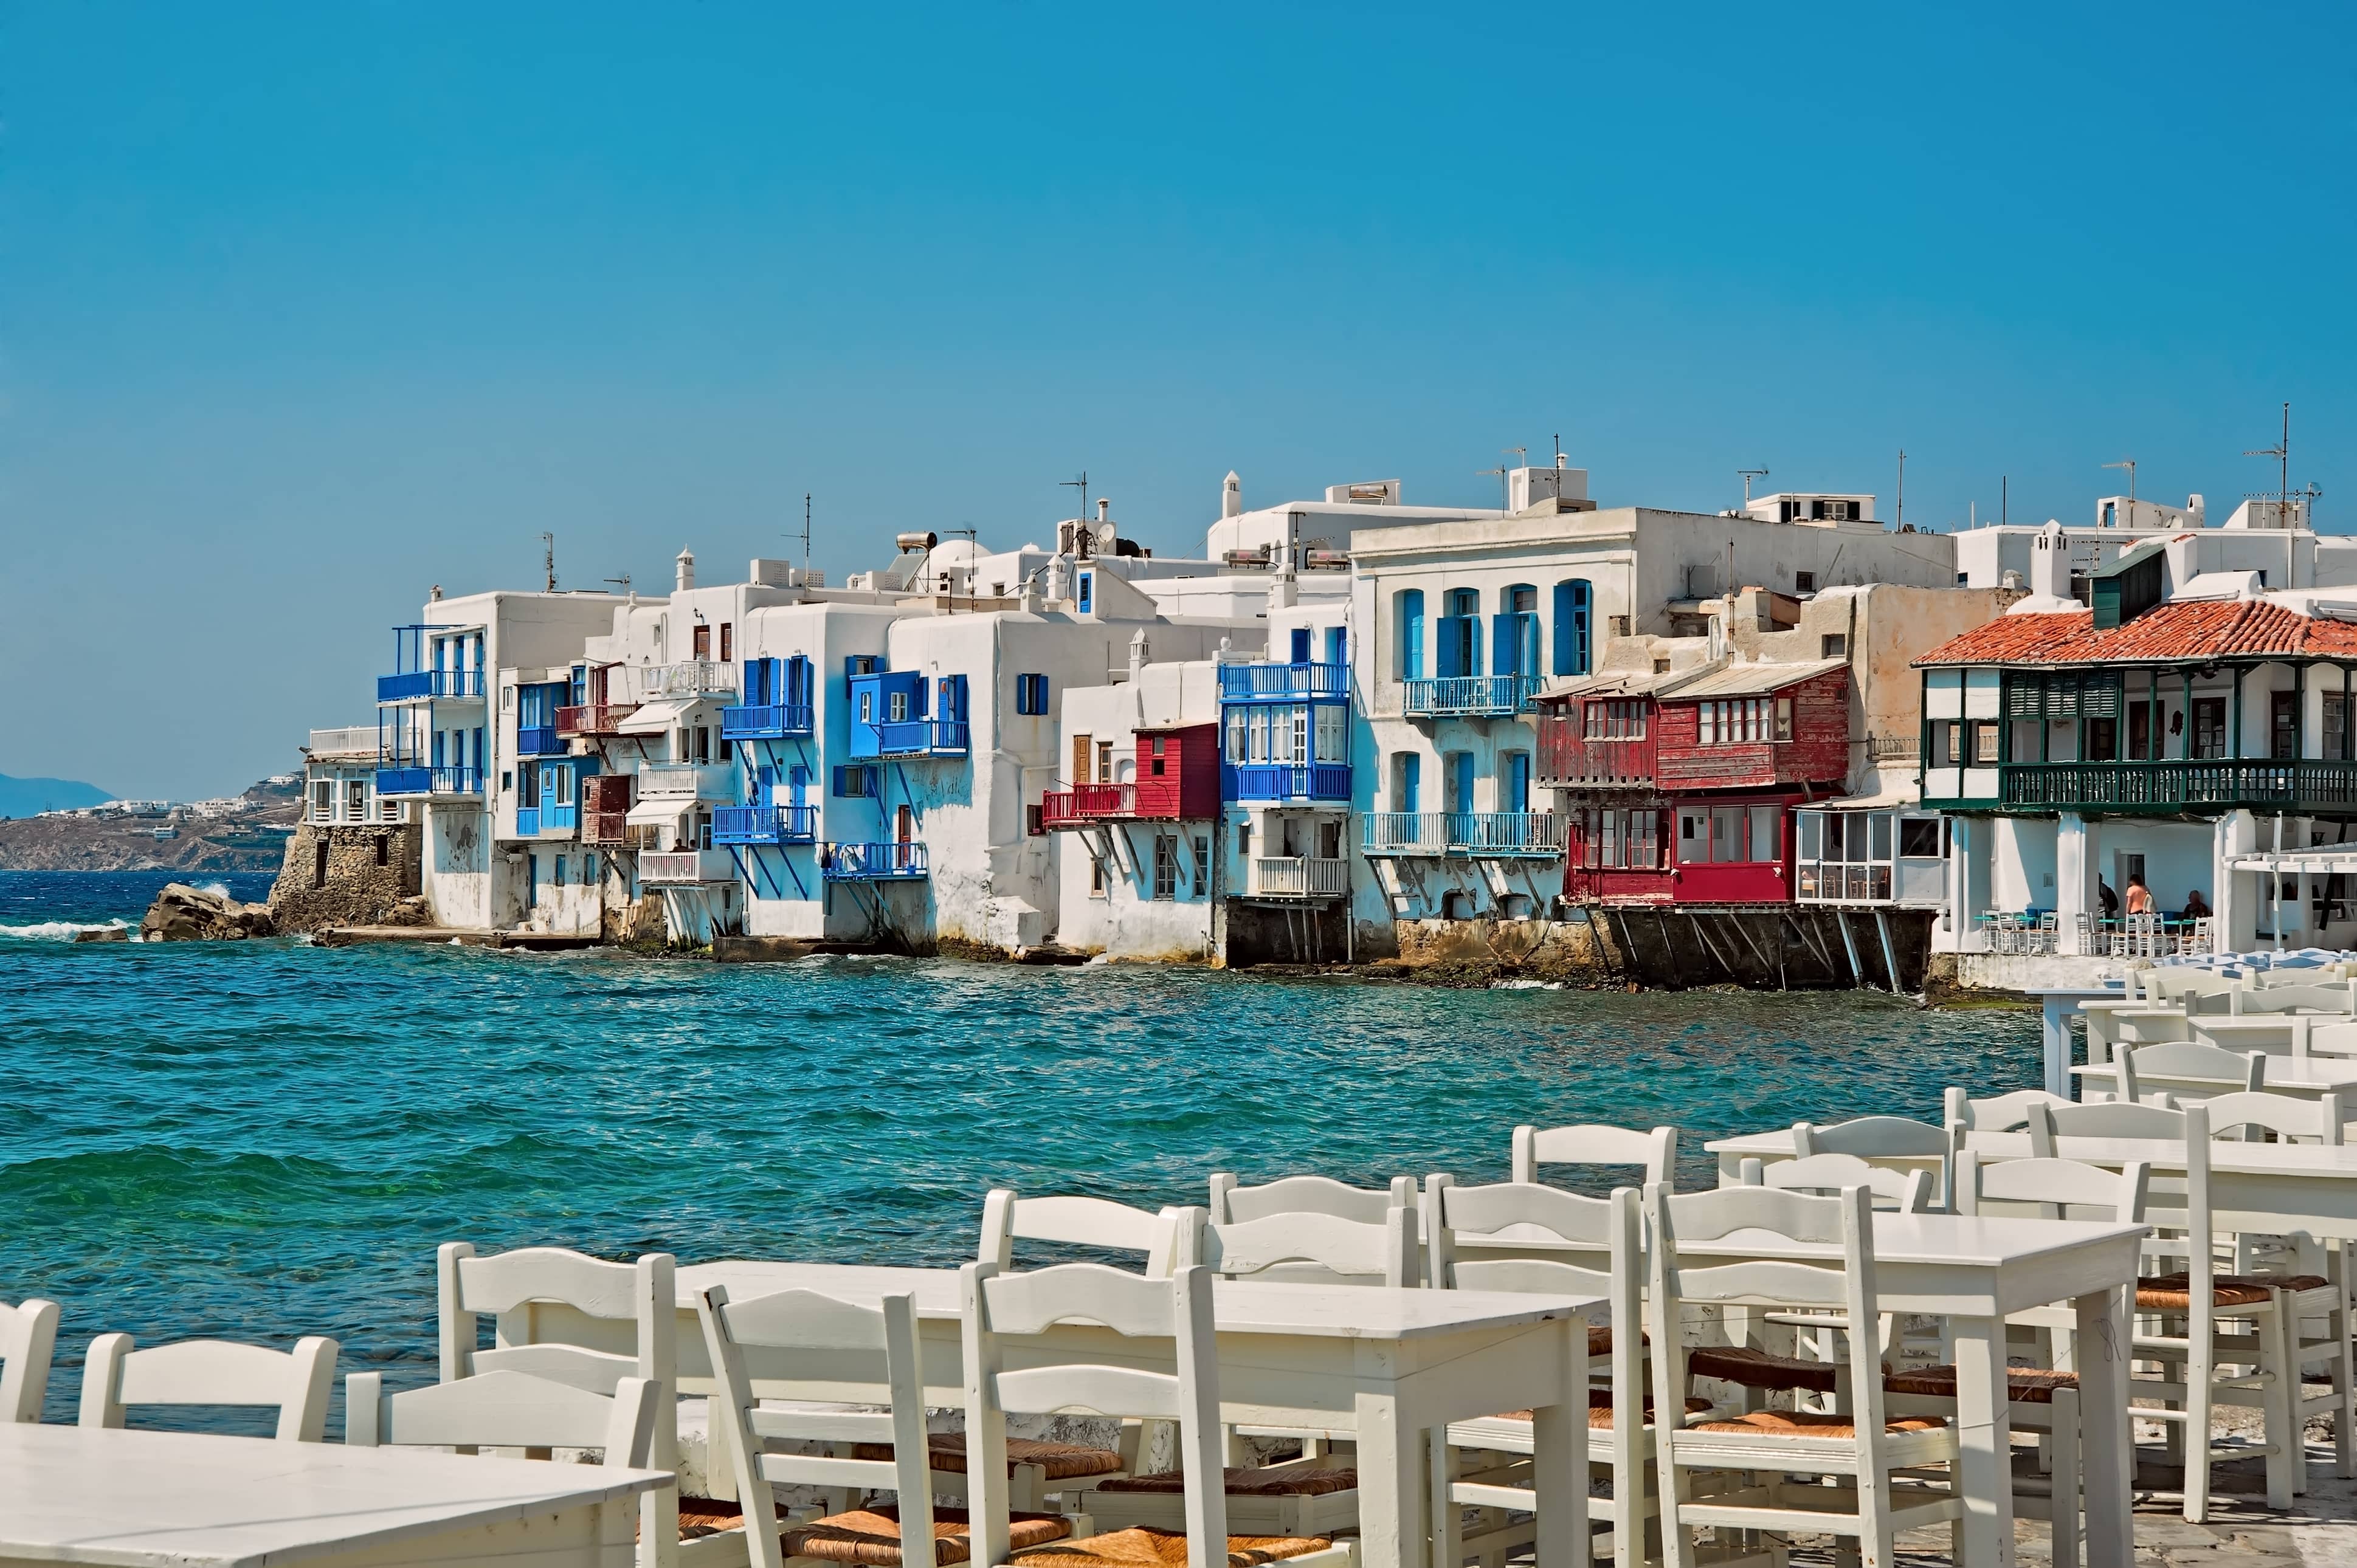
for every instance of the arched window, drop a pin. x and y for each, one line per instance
(1515, 633)
(1460, 634)
(1410, 603)
(1572, 613)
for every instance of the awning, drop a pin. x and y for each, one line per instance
(1900, 799)
(657, 718)
(659, 811)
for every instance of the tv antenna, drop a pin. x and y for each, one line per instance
(622, 582)
(1082, 484)
(2281, 453)
(1902, 487)
(1747, 476)
(805, 535)
(2129, 464)
(1499, 474)
(548, 559)
(1561, 461)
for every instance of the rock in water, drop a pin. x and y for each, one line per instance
(104, 934)
(186, 914)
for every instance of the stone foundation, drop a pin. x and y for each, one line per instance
(348, 876)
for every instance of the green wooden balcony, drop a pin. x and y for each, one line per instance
(2169, 789)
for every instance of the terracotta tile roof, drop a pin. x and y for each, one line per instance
(2192, 632)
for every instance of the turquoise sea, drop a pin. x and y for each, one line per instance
(263, 1140)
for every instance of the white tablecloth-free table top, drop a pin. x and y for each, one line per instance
(1382, 1366)
(170, 1500)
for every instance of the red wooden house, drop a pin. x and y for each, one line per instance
(1680, 788)
(1176, 780)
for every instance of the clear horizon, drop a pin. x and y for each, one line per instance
(308, 309)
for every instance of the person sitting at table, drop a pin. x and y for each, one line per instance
(2195, 907)
(2139, 895)
(2110, 899)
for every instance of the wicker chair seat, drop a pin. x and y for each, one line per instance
(1809, 1423)
(1600, 1409)
(1761, 1369)
(2174, 1292)
(1247, 1482)
(1144, 1547)
(945, 1450)
(865, 1536)
(2023, 1385)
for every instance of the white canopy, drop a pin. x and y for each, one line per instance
(659, 811)
(657, 718)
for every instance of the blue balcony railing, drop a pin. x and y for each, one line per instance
(765, 824)
(527, 822)
(1471, 695)
(765, 721)
(1246, 682)
(872, 861)
(412, 780)
(412, 684)
(1288, 781)
(1480, 834)
(539, 740)
(911, 737)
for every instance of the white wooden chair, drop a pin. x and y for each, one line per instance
(1880, 1138)
(1158, 1238)
(1336, 1251)
(1905, 1192)
(2185, 1070)
(2181, 1314)
(2297, 996)
(1233, 1204)
(634, 1306)
(2326, 1307)
(909, 1533)
(505, 1409)
(1591, 1143)
(116, 1377)
(1861, 1449)
(29, 1340)
(997, 1307)
(1995, 1114)
(1460, 1221)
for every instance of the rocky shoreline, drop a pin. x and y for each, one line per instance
(252, 837)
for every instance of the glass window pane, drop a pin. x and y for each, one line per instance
(1811, 835)
(1763, 832)
(1882, 827)
(1694, 838)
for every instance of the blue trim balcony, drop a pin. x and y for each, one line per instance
(1482, 835)
(1310, 781)
(874, 862)
(1284, 683)
(766, 721)
(527, 822)
(911, 737)
(406, 781)
(764, 824)
(1469, 696)
(414, 685)
(539, 740)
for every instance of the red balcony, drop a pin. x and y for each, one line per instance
(1569, 759)
(1085, 803)
(593, 718)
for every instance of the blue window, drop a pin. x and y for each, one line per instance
(1574, 611)
(1410, 604)
(863, 664)
(1338, 646)
(1407, 778)
(1030, 694)
(1088, 590)
(859, 783)
(1518, 781)
(951, 709)
(1514, 632)
(1460, 634)
(798, 681)
(1301, 645)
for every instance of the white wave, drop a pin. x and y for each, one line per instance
(1526, 985)
(218, 889)
(62, 930)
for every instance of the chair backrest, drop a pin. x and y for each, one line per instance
(2055, 1189)
(1842, 1225)
(1909, 1192)
(1315, 1248)
(28, 1340)
(803, 1320)
(1870, 1137)
(2180, 982)
(2331, 1039)
(505, 1409)
(514, 1286)
(997, 1307)
(2286, 1116)
(2296, 997)
(2057, 1131)
(1160, 1240)
(1593, 1143)
(2186, 1059)
(1306, 1195)
(296, 1383)
(1998, 1112)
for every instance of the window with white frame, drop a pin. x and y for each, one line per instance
(355, 799)
(1737, 721)
(1617, 718)
(323, 799)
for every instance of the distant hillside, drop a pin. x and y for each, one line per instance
(243, 832)
(28, 797)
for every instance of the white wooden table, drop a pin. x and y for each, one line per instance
(170, 1500)
(1390, 1366)
(2062, 1006)
(1973, 1272)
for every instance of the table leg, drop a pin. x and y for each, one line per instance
(1559, 1459)
(1392, 1486)
(2058, 1046)
(1985, 1442)
(2108, 1444)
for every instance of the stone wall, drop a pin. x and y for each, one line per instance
(360, 879)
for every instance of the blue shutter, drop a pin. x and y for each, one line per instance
(1452, 647)
(1411, 781)
(1338, 646)
(1411, 618)
(836, 782)
(1571, 626)
(1503, 642)
(1301, 645)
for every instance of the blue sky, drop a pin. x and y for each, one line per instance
(305, 307)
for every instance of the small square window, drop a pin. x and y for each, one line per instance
(1805, 582)
(1834, 645)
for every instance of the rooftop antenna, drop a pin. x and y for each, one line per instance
(805, 536)
(1561, 460)
(1747, 476)
(1082, 482)
(2004, 499)
(1902, 487)
(548, 559)
(2129, 464)
(622, 582)
(1501, 472)
(2281, 453)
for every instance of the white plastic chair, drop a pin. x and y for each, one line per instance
(505, 1409)
(116, 1377)
(1593, 1143)
(29, 1340)
(997, 1307)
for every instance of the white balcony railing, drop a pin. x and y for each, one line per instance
(1298, 877)
(687, 781)
(695, 678)
(678, 866)
(356, 740)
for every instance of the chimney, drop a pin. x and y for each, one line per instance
(686, 570)
(2050, 562)
(1104, 510)
(2199, 509)
(1137, 654)
(433, 594)
(1232, 495)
